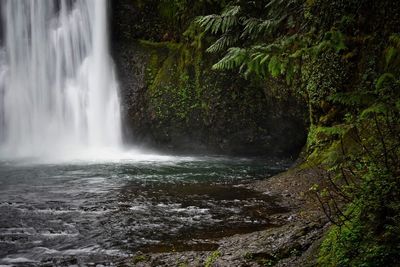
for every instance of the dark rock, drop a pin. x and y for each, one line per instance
(173, 101)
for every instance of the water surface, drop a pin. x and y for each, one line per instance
(91, 212)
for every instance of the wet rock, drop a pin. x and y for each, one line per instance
(173, 101)
(293, 242)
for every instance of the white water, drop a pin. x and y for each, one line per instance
(58, 92)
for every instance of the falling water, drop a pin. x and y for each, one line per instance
(58, 92)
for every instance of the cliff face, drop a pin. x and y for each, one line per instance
(172, 100)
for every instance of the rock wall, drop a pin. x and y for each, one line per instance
(172, 100)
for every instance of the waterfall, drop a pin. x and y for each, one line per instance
(58, 91)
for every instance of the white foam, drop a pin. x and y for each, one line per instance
(17, 260)
(85, 156)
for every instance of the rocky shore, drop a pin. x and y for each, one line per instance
(293, 241)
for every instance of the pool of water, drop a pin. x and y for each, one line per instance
(91, 212)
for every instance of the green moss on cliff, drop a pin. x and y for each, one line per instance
(186, 100)
(173, 88)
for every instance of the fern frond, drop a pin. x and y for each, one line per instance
(269, 26)
(338, 41)
(220, 23)
(250, 26)
(338, 130)
(390, 54)
(258, 64)
(274, 66)
(253, 27)
(231, 11)
(234, 58)
(384, 79)
(352, 99)
(282, 5)
(222, 43)
(376, 109)
(395, 40)
(206, 22)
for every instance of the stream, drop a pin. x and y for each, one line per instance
(94, 212)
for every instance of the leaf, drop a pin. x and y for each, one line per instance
(233, 59)
(332, 131)
(390, 54)
(274, 66)
(384, 79)
(395, 40)
(222, 43)
(352, 99)
(265, 59)
(337, 39)
(220, 23)
(378, 108)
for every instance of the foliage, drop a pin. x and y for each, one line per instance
(180, 12)
(140, 258)
(367, 230)
(240, 24)
(212, 258)
(183, 94)
(221, 23)
(344, 58)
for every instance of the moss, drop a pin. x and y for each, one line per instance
(212, 258)
(140, 258)
(173, 80)
(183, 264)
(161, 45)
(322, 76)
(267, 259)
(182, 93)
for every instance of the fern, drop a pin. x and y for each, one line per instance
(352, 99)
(220, 23)
(376, 109)
(390, 55)
(394, 39)
(332, 40)
(338, 41)
(279, 4)
(250, 26)
(231, 11)
(334, 131)
(258, 64)
(269, 26)
(384, 79)
(274, 66)
(234, 58)
(223, 43)
(235, 25)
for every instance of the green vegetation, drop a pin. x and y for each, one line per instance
(140, 258)
(178, 102)
(212, 258)
(343, 58)
(339, 57)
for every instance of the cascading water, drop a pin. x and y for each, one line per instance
(58, 92)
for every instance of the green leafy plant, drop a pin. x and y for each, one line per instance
(212, 258)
